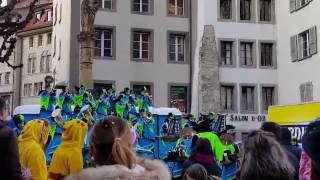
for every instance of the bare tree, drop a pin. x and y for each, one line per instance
(10, 23)
(89, 9)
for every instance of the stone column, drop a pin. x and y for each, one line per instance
(209, 85)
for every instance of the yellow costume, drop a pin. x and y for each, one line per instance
(31, 141)
(67, 158)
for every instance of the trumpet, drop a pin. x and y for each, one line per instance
(85, 111)
(56, 115)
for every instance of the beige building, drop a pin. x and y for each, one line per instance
(34, 51)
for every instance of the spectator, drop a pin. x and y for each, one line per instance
(264, 159)
(276, 130)
(286, 142)
(196, 172)
(111, 147)
(203, 154)
(31, 142)
(312, 147)
(67, 158)
(9, 162)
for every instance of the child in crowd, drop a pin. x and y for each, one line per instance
(67, 158)
(31, 142)
(112, 153)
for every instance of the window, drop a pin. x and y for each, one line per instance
(55, 14)
(54, 45)
(226, 52)
(34, 60)
(176, 7)
(49, 15)
(268, 97)
(30, 41)
(38, 16)
(49, 36)
(141, 6)
(40, 40)
(0, 78)
(98, 87)
(225, 9)
(59, 50)
(37, 88)
(304, 45)
(29, 65)
(178, 98)
(107, 4)
(266, 10)
(298, 4)
(27, 88)
(48, 63)
(138, 87)
(104, 43)
(248, 99)
(245, 10)
(177, 48)
(246, 54)
(266, 54)
(60, 13)
(141, 45)
(7, 78)
(42, 63)
(306, 92)
(227, 98)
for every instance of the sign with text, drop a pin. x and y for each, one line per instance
(245, 121)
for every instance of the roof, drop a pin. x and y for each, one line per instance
(25, 3)
(43, 21)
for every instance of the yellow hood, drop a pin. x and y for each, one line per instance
(35, 130)
(74, 132)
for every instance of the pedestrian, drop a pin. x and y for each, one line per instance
(9, 162)
(230, 153)
(286, 142)
(111, 148)
(31, 142)
(196, 172)
(67, 158)
(203, 154)
(276, 130)
(264, 158)
(311, 147)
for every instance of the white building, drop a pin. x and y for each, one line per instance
(297, 32)
(245, 33)
(139, 44)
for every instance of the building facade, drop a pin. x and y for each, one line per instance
(139, 44)
(6, 84)
(247, 73)
(34, 51)
(297, 32)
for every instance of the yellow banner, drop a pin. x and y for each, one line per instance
(294, 114)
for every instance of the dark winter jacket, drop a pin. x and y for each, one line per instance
(9, 157)
(207, 161)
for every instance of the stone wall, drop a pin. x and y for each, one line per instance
(209, 85)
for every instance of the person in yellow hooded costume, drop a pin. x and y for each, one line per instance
(31, 142)
(67, 158)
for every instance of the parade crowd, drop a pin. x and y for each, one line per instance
(205, 149)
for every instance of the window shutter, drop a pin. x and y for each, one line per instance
(294, 50)
(100, 3)
(292, 5)
(313, 40)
